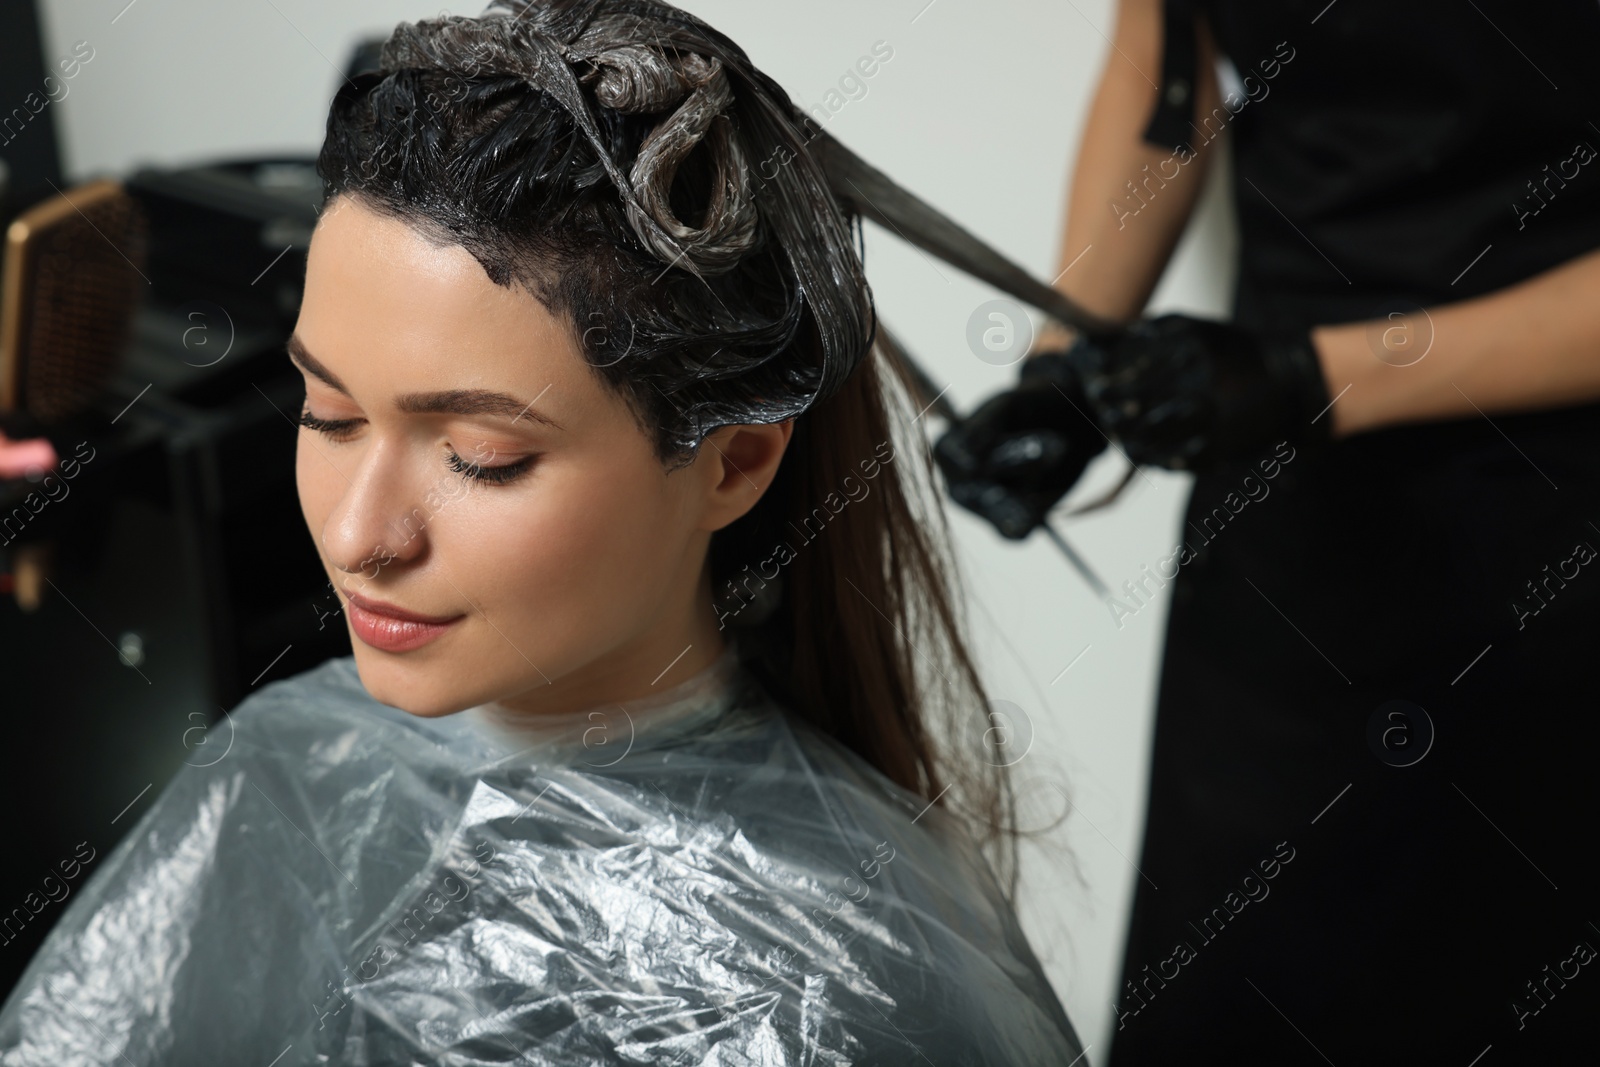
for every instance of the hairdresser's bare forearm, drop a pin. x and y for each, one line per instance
(1530, 346)
(1116, 258)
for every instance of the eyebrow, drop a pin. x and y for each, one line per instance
(445, 402)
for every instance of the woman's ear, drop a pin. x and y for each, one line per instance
(740, 463)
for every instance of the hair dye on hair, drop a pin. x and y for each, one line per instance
(602, 155)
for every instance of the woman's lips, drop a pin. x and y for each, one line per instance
(390, 634)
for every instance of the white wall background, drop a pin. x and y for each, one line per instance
(979, 111)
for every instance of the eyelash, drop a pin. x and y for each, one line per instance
(492, 475)
(338, 430)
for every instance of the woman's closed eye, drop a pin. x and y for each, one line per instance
(338, 429)
(473, 469)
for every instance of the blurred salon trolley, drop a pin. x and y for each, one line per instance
(180, 573)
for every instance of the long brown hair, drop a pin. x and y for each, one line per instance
(630, 167)
(864, 638)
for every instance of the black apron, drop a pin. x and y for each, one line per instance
(1373, 799)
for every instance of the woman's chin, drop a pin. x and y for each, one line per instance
(407, 688)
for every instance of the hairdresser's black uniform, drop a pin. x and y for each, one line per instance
(1387, 156)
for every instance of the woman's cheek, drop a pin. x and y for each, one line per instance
(610, 530)
(310, 474)
(557, 539)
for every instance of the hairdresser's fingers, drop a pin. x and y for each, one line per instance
(1021, 451)
(1011, 515)
(962, 452)
(17, 458)
(1033, 473)
(963, 467)
(1158, 422)
(1014, 514)
(1162, 358)
(1031, 407)
(1028, 458)
(957, 454)
(1042, 462)
(1153, 389)
(1184, 393)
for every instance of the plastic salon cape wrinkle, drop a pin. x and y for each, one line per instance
(694, 878)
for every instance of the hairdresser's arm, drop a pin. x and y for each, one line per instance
(1126, 255)
(1531, 345)
(1018, 454)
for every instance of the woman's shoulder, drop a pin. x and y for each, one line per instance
(857, 891)
(746, 878)
(749, 879)
(805, 791)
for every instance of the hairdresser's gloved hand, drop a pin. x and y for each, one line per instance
(1021, 451)
(1184, 393)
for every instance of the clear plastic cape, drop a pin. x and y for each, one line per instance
(694, 878)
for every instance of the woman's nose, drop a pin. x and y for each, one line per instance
(376, 523)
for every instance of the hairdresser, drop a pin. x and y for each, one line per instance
(1387, 666)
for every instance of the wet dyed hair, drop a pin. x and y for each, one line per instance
(610, 157)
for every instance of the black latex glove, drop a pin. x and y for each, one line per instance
(1184, 393)
(1021, 451)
